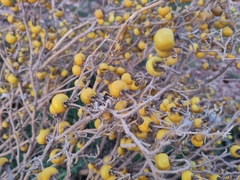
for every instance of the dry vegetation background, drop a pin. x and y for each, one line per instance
(119, 89)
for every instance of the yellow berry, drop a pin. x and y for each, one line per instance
(58, 103)
(144, 127)
(163, 11)
(197, 122)
(5, 124)
(151, 66)
(227, 31)
(86, 95)
(235, 151)
(162, 161)
(11, 38)
(62, 126)
(7, 3)
(58, 159)
(161, 133)
(141, 45)
(48, 173)
(127, 3)
(116, 88)
(98, 14)
(187, 175)
(76, 70)
(105, 171)
(78, 59)
(41, 138)
(127, 78)
(164, 39)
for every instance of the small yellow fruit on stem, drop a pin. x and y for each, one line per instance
(152, 66)
(162, 161)
(235, 151)
(164, 39)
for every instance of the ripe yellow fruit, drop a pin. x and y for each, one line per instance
(214, 177)
(5, 136)
(78, 58)
(171, 61)
(3, 161)
(20, 26)
(64, 73)
(141, 45)
(116, 88)
(12, 79)
(133, 86)
(199, 137)
(120, 71)
(81, 113)
(97, 123)
(7, 3)
(105, 171)
(52, 110)
(120, 105)
(163, 54)
(11, 38)
(120, 151)
(217, 25)
(72, 139)
(59, 159)
(187, 175)
(193, 47)
(24, 147)
(197, 122)
(151, 66)
(106, 116)
(15, 8)
(48, 173)
(86, 95)
(200, 54)
(205, 66)
(195, 100)
(227, 31)
(163, 11)
(58, 103)
(127, 3)
(91, 35)
(155, 116)
(5, 124)
(62, 126)
(103, 67)
(142, 111)
(35, 29)
(127, 78)
(169, 18)
(144, 127)
(36, 44)
(174, 116)
(136, 32)
(76, 70)
(162, 161)
(41, 138)
(195, 141)
(237, 65)
(161, 133)
(58, 13)
(98, 14)
(235, 151)
(164, 39)
(11, 18)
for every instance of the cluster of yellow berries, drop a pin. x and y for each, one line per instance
(141, 87)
